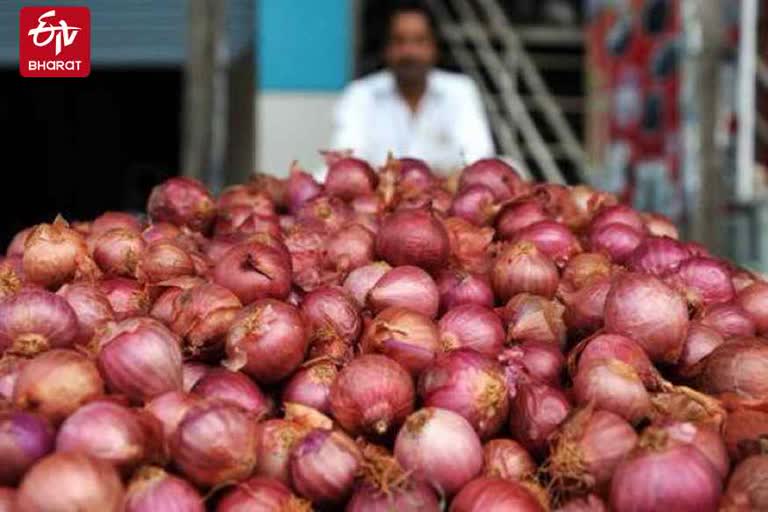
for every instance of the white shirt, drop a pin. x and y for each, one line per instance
(448, 130)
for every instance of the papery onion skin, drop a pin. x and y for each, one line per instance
(324, 466)
(350, 177)
(325, 212)
(518, 215)
(226, 386)
(182, 201)
(54, 254)
(260, 494)
(413, 237)
(260, 200)
(617, 214)
(586, 268)
(16, 247)
(152, 489)
(331, 308)
(536, 411)
(551, 238)
(413, 497)
(311, 386)
(276, 440)
(32, 321)
(738, 369)
(301, 188)
(470, 248)
(614, 346)
(350, 248)
(648, 311)
(658, 256)
(24, 438)
(495, 494)
(703, 281)
(372, 395)
(614, 386)
(457, 288)
(91, 307)
(167, 292)
(754, 300)
(405, 286)
(170, 408)
(362, 279)
(215, 443)
(616, 240)
(56, 383)
(127, 297)
(542, 360)
(533, 318)
(472, 326)
(253, 271)
(117, 252)
(475, 204)
(748, 487)
(495, 174)
(441, 448)
(160, 231)
(164, 260)
(523, 268)
(729, 319)
(699, 343)
(584, 308)
(507, 459)
(659, 225)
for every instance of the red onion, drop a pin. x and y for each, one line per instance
(164, 260)
(254, 271)
(36, 320)
(699, 343)
(589, 503)
(616, 240)
(331, 309)
(486, 493)
(523, 268)
(541, 360)
(160, 231)
(271, 186)
(16, 247)
(244, 219)
(614, 346)
(267, 341)
(703, 438)
(617, 214)
(551, 238)
(585, 307)
(234, 388)
(10, 368)
(536, 410)
(408, 337)
(370, 206)
(170, 408)
(745, 431)
(111, 432)
(413, 237)
(113, 220)
(325, 213)
(7, 499)
(659, 225)
(737, 369)
(518, 215)
(140, 358)
(118, 251)
(311, 386)
(587, 449)
(648, 311)
(54, 254)
(754, 300)
(324, 466)
(302, 187)
(703, 281)
(665, 477)
(276, 440)
(507, 459)
(215, 443)
(184, 202)
(742, 278)
(415, 175)
(261, 495)
(613, 386)
(153, 489)
(729, 319)
(470, 247)
(475, 204)
(63, 482)
(24, 438)
(56, 383)
(361, 280)
(126, 296)
(534, 318)
(458, 288)
(191, 373)
(371, 395)
(350, 248)
(658, 256)
(495, 174)
(350, 177)
(258, 199)
(586, 268)
(90, 306)
(405, 497)
(405, 286)
(472, 326)
(747, 487)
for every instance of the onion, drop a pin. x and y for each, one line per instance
(362, 279)
(7, 499)
(470, 247)
(371, 395)
(742, 278)
(533, 318)
(191, 373)
(551, 238)
(160, 231)
(91, 307)
(215, 443)
(589, 503)
(311, 386)
(703, 281)
(325, 213)
(745, 431)
(475, 204)
(487, 493)
(63, 482)
(261, 495)
(472, 326)
(169, 409)
(35, 320)
(470, 384)
(167, 292)
(507, 459)
(699, 343)
(585, 269)
(703, 438)
(613, 386)
(324, 466)
(406, 286)
(111, 432)
(523, 268)
(541, 360)
(350, 177)
(658, 256)
(614, 346)
(350, 248)
(738, 369)
(495, 174)
(153, 489)
(584, 308)
(164, 260)
(10, 368)
(415, 175)
(258, 199)
(54, 254)
(331, 311)
(616, 240)
(457, 288)
(140, 358)
(754, 300)
(254, 271)
(439, 447)
(747, 487)
(272, 187)
(114, 220)
(413, 237)
(648, 311)
(245, 219)
(536, 410)
(617, 214)
(587, 449)
(408, 337)
(665, 477)
(729, 319)
(276, 440)
(267, 341)
(56, 383)
(659, 225)
(301, 188)
(24, 438)
(184, 202)
(126, 296)
(413, 496)
(234, 388)
(518, 215)
(19, 240)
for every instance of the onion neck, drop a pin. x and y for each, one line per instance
(30, 344)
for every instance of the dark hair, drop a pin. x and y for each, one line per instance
(412, 6)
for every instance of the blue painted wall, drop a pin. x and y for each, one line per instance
(304, 45)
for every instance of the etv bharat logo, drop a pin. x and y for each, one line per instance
(54, 42)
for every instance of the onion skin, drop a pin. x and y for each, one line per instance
(311, 386)
(91, 307)
(191, 373)
(585, 307)
(729, 319)
(541, 360)
(439, 447)
(127, 297)
(170, 408)
(518, 215)
(254, 271)
(552, 239)
(457, 288)
(413, 237)
(616, 240)
(152, 489)
(415, 497)
(658, 256)
(475, 204)
(754, 300)
(533, 318)
(32, 321)
(164, 260)
(472, 326)
(261, 495)
(737, 370)
(113, 220)
(586, 268)
(24, 438)
(184, 202)
(590, 503)
(331, 310)
(617, 214)
(56, 383)
(276, 440)
(703, 281)
(408, 287)
(362, 279)
(234, 388)
(486, 493)
(507, 459)
(613, 386)
(659, 225)
(522, 268)
(327, 213)
(372, 395)
(117, 252)
(301, 188)
(747, 487)
(63, 482)
(167, 292)
(614, 346)
(350, 248)
(215, 443)
(648, 311)
(536, 411)
(495, 174)
(267, 340)
(470, 247)
(350, 177)
(19, 240)
(54, 254)
(324, 465)
(10, 368)
(699, 343)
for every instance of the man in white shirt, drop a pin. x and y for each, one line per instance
(412, 109)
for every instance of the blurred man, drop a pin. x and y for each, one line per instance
(411, 108)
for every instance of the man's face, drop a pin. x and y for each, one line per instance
(411, 51)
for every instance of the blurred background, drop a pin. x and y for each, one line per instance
(660, 101)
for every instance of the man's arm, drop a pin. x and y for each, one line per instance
(474, 132)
